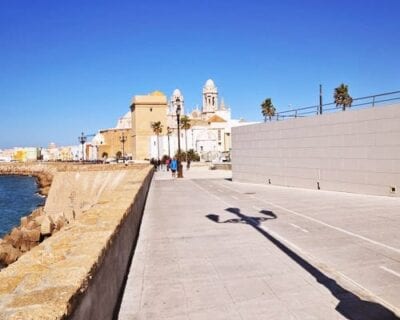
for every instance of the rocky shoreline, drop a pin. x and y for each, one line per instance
(36, 226)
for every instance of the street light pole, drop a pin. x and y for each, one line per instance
(123, 139)
(82, 140)
(178, 115)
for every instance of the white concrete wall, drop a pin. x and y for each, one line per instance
(353, 151)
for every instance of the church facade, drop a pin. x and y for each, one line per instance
(209, 133)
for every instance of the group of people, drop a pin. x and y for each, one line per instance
(169, 164)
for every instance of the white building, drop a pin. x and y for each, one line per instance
(210, 131)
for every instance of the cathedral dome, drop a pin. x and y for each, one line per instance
(209, 84)
(176, 93)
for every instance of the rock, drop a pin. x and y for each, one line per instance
(47, 226)
(30, 235)
(15, 237)
(24, 221)
(8, 254)
(38, 220)
(37, 212)
(61, 222)
(32, 225)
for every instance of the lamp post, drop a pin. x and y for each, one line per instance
(178, 115)
(123, 139)
(169, 131)
(82, 140)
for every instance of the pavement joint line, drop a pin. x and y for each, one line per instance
(324, 223)
(314, 260)
(390, 271)
(371, 294)
(333, 272)
(298, 227)
(213, 195)
(308, 256)
(234, 197)
(333, 227)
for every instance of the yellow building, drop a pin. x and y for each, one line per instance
(111, 146)
(145, 110)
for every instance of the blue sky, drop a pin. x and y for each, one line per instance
(72, 66)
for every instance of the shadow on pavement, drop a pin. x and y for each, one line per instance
(350, 305)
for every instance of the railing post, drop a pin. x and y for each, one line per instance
(373, 101)
(295, 113)
(320, 99)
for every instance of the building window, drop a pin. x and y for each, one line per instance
(219, 134)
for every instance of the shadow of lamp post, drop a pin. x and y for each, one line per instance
(123, 139)
(82, 140)
(178, 115)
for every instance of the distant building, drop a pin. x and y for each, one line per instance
(146, 110)
(209, 133)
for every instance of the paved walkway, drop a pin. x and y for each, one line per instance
(210, 248)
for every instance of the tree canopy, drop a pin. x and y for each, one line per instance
(185, 123)
(157, 127)
(342, 96)
(267, 109)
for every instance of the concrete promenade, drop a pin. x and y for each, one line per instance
(210, 248)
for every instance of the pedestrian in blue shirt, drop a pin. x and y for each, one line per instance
(173, 166)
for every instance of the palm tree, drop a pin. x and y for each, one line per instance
(267, 109)
(169, 132)
(157, 129)
(342, 96)
(185, 125)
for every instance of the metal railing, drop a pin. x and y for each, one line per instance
(362, 102)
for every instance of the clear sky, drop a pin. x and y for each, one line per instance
(72, 66)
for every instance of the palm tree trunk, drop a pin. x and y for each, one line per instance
(186, 143)
(158, 148)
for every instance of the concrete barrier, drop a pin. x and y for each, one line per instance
(353, 151)
(79, 271)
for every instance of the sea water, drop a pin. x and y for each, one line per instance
(18, 197)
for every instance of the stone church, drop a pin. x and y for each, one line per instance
(209, 133)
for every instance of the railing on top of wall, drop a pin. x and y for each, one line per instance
(362, 102)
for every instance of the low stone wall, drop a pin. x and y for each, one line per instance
(78, 272)
(221, 166)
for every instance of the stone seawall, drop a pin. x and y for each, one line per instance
(44, 173)
(78, 272)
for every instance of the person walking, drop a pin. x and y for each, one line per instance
(173, 166)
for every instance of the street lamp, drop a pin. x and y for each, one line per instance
(82, 140)
(123, 139)
(178, 115)
(169, 131)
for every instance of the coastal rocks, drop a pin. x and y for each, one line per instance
(47, 226)
(8, 254)
(33, 229)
